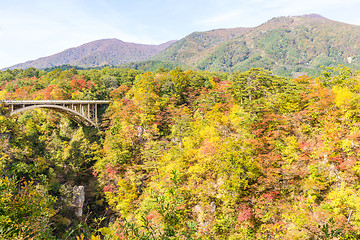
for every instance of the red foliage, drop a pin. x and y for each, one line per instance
(304, 145)
(90, 85)
(270, 195)
(48, 91)
(22, 93)
(207, 147)
(78, 84)
(111, 170)
(153, 216)
(245, 213)
(224, 85)
(216, 79)
(119, 92)
(109, 188)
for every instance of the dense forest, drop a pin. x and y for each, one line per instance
(183, 154)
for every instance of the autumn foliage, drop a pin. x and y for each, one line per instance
(196, 155)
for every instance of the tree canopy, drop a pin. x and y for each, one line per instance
(183, 155)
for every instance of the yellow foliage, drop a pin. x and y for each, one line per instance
(77, 95)
(346, 145)
(342, 95)
(345, 201)
(290, 149)
(105, 231)
(81, 237)
(3, 94)
(95, 237)
(122, 199)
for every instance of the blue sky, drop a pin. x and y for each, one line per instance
(30, 29)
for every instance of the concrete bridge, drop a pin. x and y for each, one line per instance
(81, 111)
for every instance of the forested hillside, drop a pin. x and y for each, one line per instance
(288, 46)
(183, 155)
(197, 45)
(105, 52)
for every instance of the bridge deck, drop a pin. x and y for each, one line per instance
(52, 102)
(81, 111)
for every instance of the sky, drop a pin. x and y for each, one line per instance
(30, 29)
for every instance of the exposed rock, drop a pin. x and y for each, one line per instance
(78, 200)
(212, 207)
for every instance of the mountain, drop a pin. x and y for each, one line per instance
(198, 45)
(285, 45)
(98, 53)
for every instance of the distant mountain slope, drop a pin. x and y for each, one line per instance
(197, 45)
(286, 45)
(98, 53)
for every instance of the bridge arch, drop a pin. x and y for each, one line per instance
(81, 111)
(77, 117)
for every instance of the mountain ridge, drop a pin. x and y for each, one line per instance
(96, 53)
(286, 45)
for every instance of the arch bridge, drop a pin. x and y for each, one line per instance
(81, 111)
